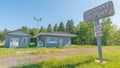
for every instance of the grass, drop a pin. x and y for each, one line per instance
(81, 46)
(112, 58)
(5, 52)
(1, 44)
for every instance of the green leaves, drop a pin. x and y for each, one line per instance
(61, 27)
(49, 29)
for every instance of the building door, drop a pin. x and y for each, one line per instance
(14, 42)
(24, 41)
(61, 41)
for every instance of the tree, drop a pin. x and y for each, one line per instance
(25, 28)
(85, 34)
(42, 29)
(70, 26)
(5, 30)
(55, 28)
(61, 27)
(108, 32)
(33, 31)
(117, 37)
(2, 36)
(49, 29)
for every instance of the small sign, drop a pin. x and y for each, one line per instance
(98, 28)
(98, 33)
(99, 12)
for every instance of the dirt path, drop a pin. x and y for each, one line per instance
(14, 61)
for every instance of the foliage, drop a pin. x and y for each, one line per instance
(55, 28)
(49, 29)
(85, 34)
(61, 27)
(25, 28)
(70, 26)
(3, 34)
(42, 29)
(34, 31)
(83, 30)
(108, 31)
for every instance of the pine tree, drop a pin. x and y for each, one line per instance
(41, 29)
(49, 29)
(61, 27)
(70, 26)
(25, 28)
(55, 28)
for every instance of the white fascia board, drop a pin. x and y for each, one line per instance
(56, 34)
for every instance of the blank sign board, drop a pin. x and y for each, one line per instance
(99, 12)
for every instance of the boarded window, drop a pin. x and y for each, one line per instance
(52, 39)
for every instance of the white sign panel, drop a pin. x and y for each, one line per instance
(98, 28)
(99, 12)
(98, 34)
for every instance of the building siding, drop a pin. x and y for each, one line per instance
(9, 36)
(46, 43)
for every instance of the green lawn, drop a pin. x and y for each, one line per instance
(6, 52)
(112, 58)
(32, 50)
(87, 60)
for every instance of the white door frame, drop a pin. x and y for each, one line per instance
(61, 41)
(14, 42)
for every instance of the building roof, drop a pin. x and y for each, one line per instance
(56, 34)
(18, 30)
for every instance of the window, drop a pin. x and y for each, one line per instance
(52, 39)
(24, 40)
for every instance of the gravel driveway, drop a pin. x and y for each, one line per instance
(14, 61)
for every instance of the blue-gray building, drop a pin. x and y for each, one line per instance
(17, 38)
(53, 39)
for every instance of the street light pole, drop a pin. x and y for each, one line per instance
(37, 20)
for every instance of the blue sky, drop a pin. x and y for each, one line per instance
(17, 13)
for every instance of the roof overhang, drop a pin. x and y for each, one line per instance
(55, 34)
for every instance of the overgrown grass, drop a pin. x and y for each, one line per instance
(1, 44)
(112, 58)
(92, 46)
(81, 46)
(5, 52)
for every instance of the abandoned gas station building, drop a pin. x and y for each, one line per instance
(53, 39)
(17, 38)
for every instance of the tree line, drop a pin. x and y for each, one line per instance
(83, 30)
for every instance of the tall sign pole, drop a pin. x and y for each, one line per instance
(99, 43)
(95, 14)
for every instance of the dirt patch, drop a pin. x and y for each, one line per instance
(14, 61)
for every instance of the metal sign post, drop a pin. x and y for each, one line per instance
(99, 43)
(94, 14)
